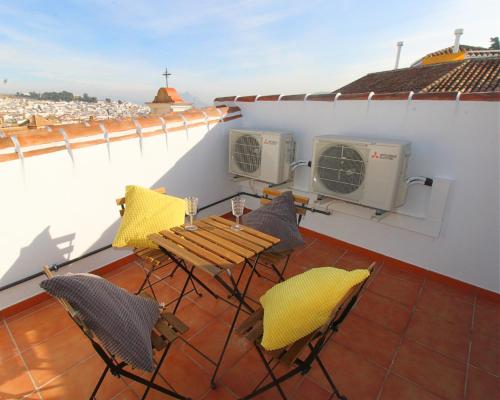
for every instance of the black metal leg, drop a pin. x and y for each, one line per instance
(148, 386)
(329, 379)
(271, 373)
(99, 383)
(183, 290)
(282, 273)
(241, 302)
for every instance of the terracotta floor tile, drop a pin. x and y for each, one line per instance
(402, 291)
(482, 385)
(129, 279)
(127, 394)
(383, 311)
(219, 393)
(354, 376)
(40, 325)
(397, 388)
(185, 375)
(486, 302)
(400, 272)
(308, 390)
(460, 294)
(440, 335)
(368, 340)
(56, 355)
(32, 309)
(448, 307)
(7, 347)
(485, 353)
(164, 293)
(208, 303)
(210, 341)
(323, 253)
(79, 381)
(194, 317)
(352, 260)
(242, 384)
(487, 319)
(437, 374)
(14, 379)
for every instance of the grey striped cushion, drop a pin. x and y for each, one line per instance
(121, 321)
(278, 219)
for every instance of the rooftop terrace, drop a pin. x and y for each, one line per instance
(427, 323)
(409, 337)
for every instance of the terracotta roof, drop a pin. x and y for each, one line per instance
(168, 95)
(34, 142)
(472, 75)
(399, 80)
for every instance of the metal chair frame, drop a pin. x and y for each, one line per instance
(170, 331)
(290, 356)
(300, 201)
(154, 259)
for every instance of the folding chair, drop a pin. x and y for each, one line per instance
(168, 329)
(291, 356)
(152, 259)
(272, 260)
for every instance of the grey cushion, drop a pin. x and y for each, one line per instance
(121, 321)
(278, 219)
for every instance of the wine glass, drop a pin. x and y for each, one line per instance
(238, 205)
(191, 210)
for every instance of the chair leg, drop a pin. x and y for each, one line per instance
(282, 274)
(271, 373)
(99, 383)
(157, 370)
(329, 379)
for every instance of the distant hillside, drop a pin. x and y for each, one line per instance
(190, 98)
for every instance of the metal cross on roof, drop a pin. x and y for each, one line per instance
(166, 75)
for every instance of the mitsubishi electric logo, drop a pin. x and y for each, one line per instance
(269, 141)
(381, 156)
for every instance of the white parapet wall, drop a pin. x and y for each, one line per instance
(457, 141)
(59, 205)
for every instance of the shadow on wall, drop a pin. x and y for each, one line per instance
(43, 249)
(202, 172)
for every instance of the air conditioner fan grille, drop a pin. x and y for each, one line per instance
(340, 169)
(247, 153)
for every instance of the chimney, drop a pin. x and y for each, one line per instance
(399, 44)
(456, 46)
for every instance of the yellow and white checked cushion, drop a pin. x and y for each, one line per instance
(147, 212)
(301, 304)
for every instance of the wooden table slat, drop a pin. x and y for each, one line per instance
(199, 251)
(209, 245)
(247, 229)
(241, 234)
(226, 234)
(242, 251)
(185, 254)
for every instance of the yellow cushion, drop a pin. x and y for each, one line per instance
(301, 304)
(147, 212)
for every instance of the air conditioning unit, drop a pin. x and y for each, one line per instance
(368, 172)
(264, 156)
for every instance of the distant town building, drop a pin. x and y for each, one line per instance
(167, 100)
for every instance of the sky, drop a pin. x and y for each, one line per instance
(119, 49)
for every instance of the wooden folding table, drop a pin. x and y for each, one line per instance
(216, 248)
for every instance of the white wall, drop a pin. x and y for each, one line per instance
(454, 140)
(54, 210)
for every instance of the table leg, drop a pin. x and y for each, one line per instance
(241, 302)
